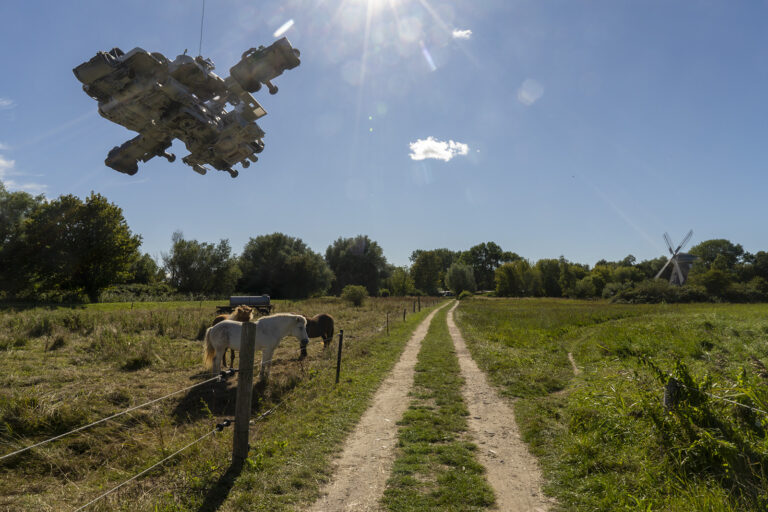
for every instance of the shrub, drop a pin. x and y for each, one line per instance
(613, 289)
(654, 291)
(383, 292)
(463, 295)
(584, 288)
(354, 293)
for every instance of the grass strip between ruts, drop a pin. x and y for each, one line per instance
(436, 468)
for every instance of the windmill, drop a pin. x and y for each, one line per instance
(681, 262)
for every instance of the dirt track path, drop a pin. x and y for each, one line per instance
(511, 470)
(361, 472)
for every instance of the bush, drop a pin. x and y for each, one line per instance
(354, 293)
(584, 288)
(613, 289)
(654, 291)
(384, 292)
(463, 295)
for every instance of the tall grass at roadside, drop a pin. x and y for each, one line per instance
(603, 436)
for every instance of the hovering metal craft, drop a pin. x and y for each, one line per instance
(681, 262)
(184, 99)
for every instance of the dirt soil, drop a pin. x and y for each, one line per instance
(511, 470)
(361, 472)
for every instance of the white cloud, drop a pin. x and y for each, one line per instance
(6, 103)
(4, 147)
(461, 34)
(437, 149)
(529, 92)
(8, 168)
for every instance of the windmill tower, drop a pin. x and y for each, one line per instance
(681, 262)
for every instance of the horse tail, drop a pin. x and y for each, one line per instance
(208, 350)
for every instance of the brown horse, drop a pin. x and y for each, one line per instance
(320, 326)
(240, 314)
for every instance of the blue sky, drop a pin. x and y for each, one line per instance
(585, 129)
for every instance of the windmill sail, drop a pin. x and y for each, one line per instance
(680, 262)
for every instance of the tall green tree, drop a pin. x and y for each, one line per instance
(84, 245)
(446, 258)
(145, 270)
(518, 279)
(15, 263)
(199, 267)
(460, 278)
(484, 258)
(549, 270)
(426, 272)
(709, 250)
(358, 260)
(400, 282)
(283, 267)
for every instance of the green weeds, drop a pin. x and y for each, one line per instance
(603, 437)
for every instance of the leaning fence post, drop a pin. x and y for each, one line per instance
(338, 358)
(244, 394)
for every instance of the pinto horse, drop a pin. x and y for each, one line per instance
(320, 326)
(269, 331)
(240, 314)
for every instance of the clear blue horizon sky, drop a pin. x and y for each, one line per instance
(583, 129)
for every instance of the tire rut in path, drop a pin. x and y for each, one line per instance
(361, 472)
(511, 470)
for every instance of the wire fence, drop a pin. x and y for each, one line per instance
(221, 376)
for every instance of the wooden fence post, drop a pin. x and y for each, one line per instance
(419, 299)
(387, 323)
(403, 314)
(338, 358)
(244, 394)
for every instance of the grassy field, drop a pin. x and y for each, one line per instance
(62, 368)
(603, 436)
(436, 468)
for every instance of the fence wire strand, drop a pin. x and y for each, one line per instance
(135, 407)
(153, 466)
(723, 399)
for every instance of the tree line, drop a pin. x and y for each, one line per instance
(68, 249)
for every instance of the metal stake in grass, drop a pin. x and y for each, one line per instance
(671, 394)
(338, 358)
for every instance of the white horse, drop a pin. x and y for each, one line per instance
(269, 331)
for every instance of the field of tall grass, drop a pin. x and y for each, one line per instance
(602, 433)
(66, 367)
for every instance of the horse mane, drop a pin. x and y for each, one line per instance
(242, 314)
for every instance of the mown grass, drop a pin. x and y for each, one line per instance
(436, 467)
(603, 436)
(62, 368)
